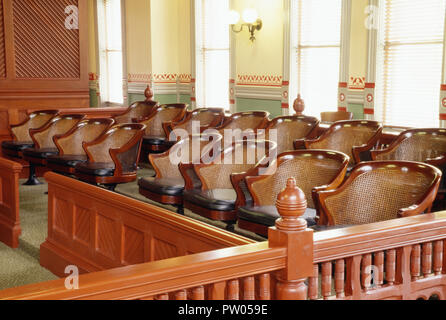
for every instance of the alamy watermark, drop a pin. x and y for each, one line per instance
(72, 20)
(72, 281)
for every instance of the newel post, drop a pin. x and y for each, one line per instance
(299, 105)
(291, 232)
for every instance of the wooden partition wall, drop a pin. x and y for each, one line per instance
(398, 259)
(9, 202)
(43, 57)
(96, 229)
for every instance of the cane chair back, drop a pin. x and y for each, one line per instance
(423, 145)
(288, 129)
(136, 111)
(311, 168)
(43, 138)
(381, 190)
(336, 116)
(161, 114)
(349, 137)
(35, 120)
(85, 131)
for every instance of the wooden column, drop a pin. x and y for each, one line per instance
(291, 232)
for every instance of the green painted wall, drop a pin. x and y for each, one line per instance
(272, 106)
(93, 98)
(357, 109)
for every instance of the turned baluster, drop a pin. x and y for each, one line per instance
(291, 232)
(249, 288)
(415, 257)
(326, 280)
(181, 295)
(379, 263)
(426, 259)
(164, 296)
(438, 257)
(366, 271)
(313, 284)
(340, 278)
(198, 293)
(265, 287)
(390, 266)
(233, 290)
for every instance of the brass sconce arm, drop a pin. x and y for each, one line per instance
(252, 27)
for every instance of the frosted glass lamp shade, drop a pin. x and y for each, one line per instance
(250, 15)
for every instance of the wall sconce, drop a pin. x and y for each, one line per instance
(251, 20)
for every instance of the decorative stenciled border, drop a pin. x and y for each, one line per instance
(356, 83)
(159, 78)
(260, 80)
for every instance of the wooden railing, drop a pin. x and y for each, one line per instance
(9, 202)
(397, 259)
(96, 229)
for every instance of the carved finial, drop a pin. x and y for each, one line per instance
(148, 93)
(291, 205)
(299, 105)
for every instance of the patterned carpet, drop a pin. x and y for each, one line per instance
(21, 266)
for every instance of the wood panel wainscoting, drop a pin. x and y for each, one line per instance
(398, 259)
(96, 229)
(9, 202)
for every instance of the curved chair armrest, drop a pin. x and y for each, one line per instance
(437, 162)
(425, 205)
(299, 144)
(33, 132)
(191, 180)
(325, 217)
(153, 157)
(366, 147)
(129, 145)
(58, 137)
(237, 179)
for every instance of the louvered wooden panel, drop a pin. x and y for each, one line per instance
(44, 47)
(2, 44)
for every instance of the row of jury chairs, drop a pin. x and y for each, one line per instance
(245, 191)
(95, 150)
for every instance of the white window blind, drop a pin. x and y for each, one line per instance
(110, 50)
(315, 42)
(410, 55)
(212, 53)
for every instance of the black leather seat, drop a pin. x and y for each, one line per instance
(43, 153)
(99, 169)
(155, 140)
(17, 146)
(67, 160)
(267, 215)
(163, 186)
(328, 228)
(215, 199)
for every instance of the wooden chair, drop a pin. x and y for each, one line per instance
(379, 191)
(44, 145)
(289, 129)
(206, 117)
(314, 170)
(113, 157)
(422, 145)
(70, 147)
(354, 138)
(336, 116)
(155, 138)
(168, 185)
(136, 112)
(208, 188)
(20, 132)
(242, 121)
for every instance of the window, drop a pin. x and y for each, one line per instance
(409, 67)
(316, 47)
(110, 52)
(212, 53)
